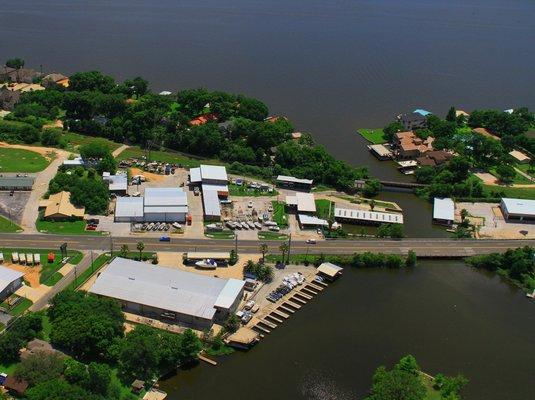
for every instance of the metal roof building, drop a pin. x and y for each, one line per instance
(518, 210)
(294, 183)
(129, 209)
(374, 217)
(214, 184)
(165, 204)
(16, 182)
(212, 208)
(304, 202)
(117, 183)
(10, 281)
(208, 173)
(187, 298)
(443, 211)
(311, 221)
(329, 270)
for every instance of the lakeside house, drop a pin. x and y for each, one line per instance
(485, 132)
(203, 119)
(161, 292)
(8, 98)
(21, 75)
(291, 182)
(520, 157)
(55, 79)
(443, 211)
(410, 146)
(329, 271)
(412, 121)
(518, 210)
(434, 158)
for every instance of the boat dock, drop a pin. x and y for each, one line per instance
(273, 315)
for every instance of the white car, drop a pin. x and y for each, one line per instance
(250, 204)
(311, 241)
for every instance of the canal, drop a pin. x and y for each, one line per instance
(452, 318)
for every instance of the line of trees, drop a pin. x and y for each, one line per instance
(94, 104)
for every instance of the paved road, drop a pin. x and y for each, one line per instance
(423, 246)
(84, 264)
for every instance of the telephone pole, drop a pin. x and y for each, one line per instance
(289, 247)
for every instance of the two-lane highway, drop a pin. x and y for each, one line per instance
(422, 246)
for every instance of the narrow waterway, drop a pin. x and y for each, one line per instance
(451, 318)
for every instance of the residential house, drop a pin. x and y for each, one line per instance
(203, 119)
(434, 158)
(410, 146)
(412, 121)
(55, 79)
(8, 98)
(59, 207)
(520, 157)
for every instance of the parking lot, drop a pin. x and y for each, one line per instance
(12, 207)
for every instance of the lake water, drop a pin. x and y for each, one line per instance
(451, 318)
(331, 67)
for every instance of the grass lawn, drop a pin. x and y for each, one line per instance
(95, 267)
(375, 136)
(20, 160)
(268, 235)
(432, 393)
(165, 156)
(518, 179)
(53, 279)
(8, 368)
(22, 305)
(64, 227)
(75, 139)
(279, 213)
(463, 130)
(512, 192)
(241, 190)
(8, 226)
(220, 235)
(324, 208)
(527, 169)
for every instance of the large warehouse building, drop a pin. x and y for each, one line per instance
(10, 281)
(518, 210)
(185, 298)
(158, 205)
(213, 180)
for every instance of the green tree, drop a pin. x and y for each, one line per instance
(371, 188)
(91, 81)
(75, 372)
(264, 249)
(140, 247)
(59, 389)
(107, 164)
(124, 250)
(139, 356)
(450, 385)
(16, 63)
(99, 378)
(232, 324)
(464, 214)
(408, 364)
(191, 346)
(96, 149)
(411, 259)
(40, 367)
(284, 247)
(506, 173)
(396, 384)
(451, 116)
(391, 129)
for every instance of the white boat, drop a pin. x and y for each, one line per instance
(230, 224)
(258, 225)
(238, 226)
(206, 264)
(274, 228)
(244, 225)
(15, 257)
(251, 224)
(270, 223)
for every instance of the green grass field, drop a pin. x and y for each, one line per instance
(53, 279)
(279, 213)
(22, 305)
(75, 139)
(220, 235)
(20, 160)
(518, 179)
(375, 136)
(95, 267)
(527, 169)
(512, 192)
(64, 227)
(7, 226)
(165, 156)
(268, 235)
(324, 208)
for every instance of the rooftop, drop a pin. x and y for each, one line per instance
(304, 202)
(7, 276)
(166, 288)
(372, 216)
(60, 204)
(330, 269)
(444, 209)
(155, 197)
(284, 178)
(214, 172)
(129, 207)
(519, 206)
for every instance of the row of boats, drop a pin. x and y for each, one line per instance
(246, 225)
(289, 282)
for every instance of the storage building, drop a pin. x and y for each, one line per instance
(184, 298)
(129, 209)
(117, 184)
(304, 203)
(294, 183)
(367, 217)
(213, 180)
(518, 210)
(16, 182)
(10, 281)
(329, 270)
(443, 211)
(165, 205)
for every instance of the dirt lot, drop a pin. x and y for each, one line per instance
(493, 223)
(31, 273)
(13, 206)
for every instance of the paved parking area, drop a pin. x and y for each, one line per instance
(13, 206)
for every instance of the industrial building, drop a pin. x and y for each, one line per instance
(177, 296)
(213, 181)
(117, 184)
(303, 203)
(518, 210)
(367, 217)
(10, 281)
(443, 211)
(16, 182)
(158, 205)
(294, 183)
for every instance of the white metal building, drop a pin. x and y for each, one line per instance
(165, 205)
(303, 202)
(10, 281)
(117, 184)
(129, 209)
(443, 211)
(213, 180)
(294, 183)
(369, 217)
(518, 210)
(185, 298)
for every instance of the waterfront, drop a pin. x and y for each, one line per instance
(452, 318)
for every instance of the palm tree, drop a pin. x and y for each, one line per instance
(372, 205)
(264, 249)
(140, 246)
(124, 250)
(283, 248)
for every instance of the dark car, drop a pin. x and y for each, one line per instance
(165, 239)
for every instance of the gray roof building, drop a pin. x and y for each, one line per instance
(195, 298)
(16, 182)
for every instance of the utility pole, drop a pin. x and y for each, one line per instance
(289, 247)
(91, 261)
(111, 246)
(236, 244)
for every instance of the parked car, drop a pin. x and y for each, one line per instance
(165, 239)
(311, 241)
